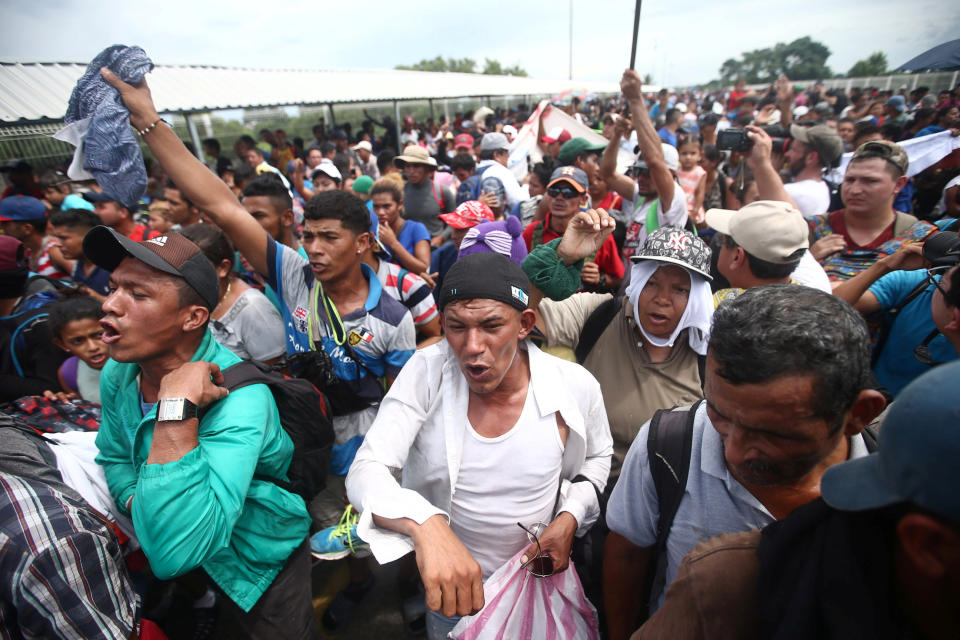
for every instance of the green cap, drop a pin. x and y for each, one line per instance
(575, 146)
(363, 184)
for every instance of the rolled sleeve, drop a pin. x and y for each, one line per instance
(371, 485)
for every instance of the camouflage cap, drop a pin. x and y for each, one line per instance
(676, 246)
(889, 151)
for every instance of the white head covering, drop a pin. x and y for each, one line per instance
(696, 316)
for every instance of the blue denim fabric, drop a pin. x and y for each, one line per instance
(111, 152)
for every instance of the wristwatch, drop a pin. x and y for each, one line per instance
(175, 410)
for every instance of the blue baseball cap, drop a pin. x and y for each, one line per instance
(22, 209)
(917, 455)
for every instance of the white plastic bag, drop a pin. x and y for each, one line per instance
(520, 605)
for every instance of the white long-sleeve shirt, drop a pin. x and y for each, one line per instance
(420, 429)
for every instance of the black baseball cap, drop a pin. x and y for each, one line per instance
(171, 253)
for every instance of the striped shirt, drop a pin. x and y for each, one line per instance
(63, 575)
(413, 292)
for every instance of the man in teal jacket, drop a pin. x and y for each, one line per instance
(188, 481)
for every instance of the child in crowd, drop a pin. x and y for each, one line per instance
(159, 216)
(75, 326)
(68, 228)
(691, 178)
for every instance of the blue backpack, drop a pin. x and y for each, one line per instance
(472, 187)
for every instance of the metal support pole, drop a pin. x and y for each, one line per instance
(432, 116)
(194, 136)
(333, 118)
(570, 72)
(396, 118)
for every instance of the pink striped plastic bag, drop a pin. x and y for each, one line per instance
(520, 605)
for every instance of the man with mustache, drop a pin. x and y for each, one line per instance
(786, 397)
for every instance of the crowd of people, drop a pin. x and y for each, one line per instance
(713, 387)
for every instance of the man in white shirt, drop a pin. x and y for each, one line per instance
(812, 150)
(494, 157)
(482, 404)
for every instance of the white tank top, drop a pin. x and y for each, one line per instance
(88, 383)
(505, 480)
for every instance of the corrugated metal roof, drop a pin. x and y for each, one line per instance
(40, 91)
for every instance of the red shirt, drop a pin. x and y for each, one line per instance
(142, 232)
(608, 258)
(839, 226)
(612, 200)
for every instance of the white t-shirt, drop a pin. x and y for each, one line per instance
(942, 207)
(812, 196)
(484, 520)
(675, 216)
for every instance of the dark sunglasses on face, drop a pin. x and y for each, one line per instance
(565, 192)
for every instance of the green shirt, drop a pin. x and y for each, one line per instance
(205, 509)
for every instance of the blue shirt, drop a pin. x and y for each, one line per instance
(441, 261)
(98, 280)
(666, 136)
(381, 334)
(412, 233)
(896, 366)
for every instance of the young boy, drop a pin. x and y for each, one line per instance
(75, 326)
(159, 216)
(68, 229)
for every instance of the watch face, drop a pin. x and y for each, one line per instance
(175, 409)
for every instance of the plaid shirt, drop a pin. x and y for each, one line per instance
(63, 575)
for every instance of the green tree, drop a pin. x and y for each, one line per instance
(874, 65)
(463, 65)
(802, 59)
(458, 65)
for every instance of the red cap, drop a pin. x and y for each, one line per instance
(463, 140)
(469, 214)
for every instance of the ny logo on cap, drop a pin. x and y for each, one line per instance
(159, 241)
(678, 241)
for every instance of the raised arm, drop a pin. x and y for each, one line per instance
(200, 185)
(769, 184)
(617, 182)
(647, 138)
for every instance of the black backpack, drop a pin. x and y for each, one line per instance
(305, 417)
(669, 443)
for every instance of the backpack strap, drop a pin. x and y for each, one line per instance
(400, 276)
(438, 196)
(598, 321)
(890, 317)
(669, 442)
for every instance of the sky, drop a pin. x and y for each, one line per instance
(679, 44)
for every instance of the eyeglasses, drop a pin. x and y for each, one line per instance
(931, 278)
(541, 565)
(567, 193)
